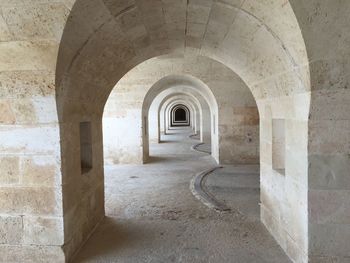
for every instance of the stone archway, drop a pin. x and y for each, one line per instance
(258, 77)
(276, 54)
(180, 115)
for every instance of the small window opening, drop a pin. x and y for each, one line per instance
(278, 145)
(85, 147)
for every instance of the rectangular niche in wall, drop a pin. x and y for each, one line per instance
(85, 147)
(278, 145)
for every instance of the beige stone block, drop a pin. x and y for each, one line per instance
(222, 13)
(329, 206)
(40, 171)
(130, 19)
(333, 104)
(24, 111)
(28, 55)
(175, 13)
(44, 21)
(87, 211)
(214, 34)
(294, 251)
(195, 30)
(24, 84)
(198, 13)
(26, 200)
(41, 139)
(274, 183)
(32, 254)
(329, 239)
(329, 172)
(329, 137)
(296, 135)
(7, 116)
(301, 104)
(332, 77)
(266, 130)
(11, 230)
(43, 231)
(295, 213)
(273, 226)
(5, 34)
(9, 170)
(271, 203)
(246, 115)
(297, 166)
(266, 153)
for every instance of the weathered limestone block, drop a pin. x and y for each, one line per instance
(328, 172)
(36, 21)
(81, 220)
(7, 116)
(24, 84)
(28, 55)
(336, 212)
(330, 240)
(10, 170)
(41, 139)
(40, 171)
(324, 136)
(245, 116)
(5, 34)
(31, 254)
(43, 231)
(34, 201)
(11, 230)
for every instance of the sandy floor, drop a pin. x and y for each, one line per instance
(152, 215)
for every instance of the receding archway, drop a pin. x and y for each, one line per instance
(192, 87)
(180, 115)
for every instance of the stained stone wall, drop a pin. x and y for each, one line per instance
(325, 27)
(31, 208)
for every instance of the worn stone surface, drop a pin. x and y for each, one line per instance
(152, 215)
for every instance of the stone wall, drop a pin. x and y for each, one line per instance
(31, 208)
(325, 27)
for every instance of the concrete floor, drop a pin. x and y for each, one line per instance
(152, 215)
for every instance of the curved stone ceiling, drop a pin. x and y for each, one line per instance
(103, 40)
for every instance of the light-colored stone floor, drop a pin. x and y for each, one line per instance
(153, 217)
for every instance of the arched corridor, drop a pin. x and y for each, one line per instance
(180, 115)
(91, 84)
(153, 216)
